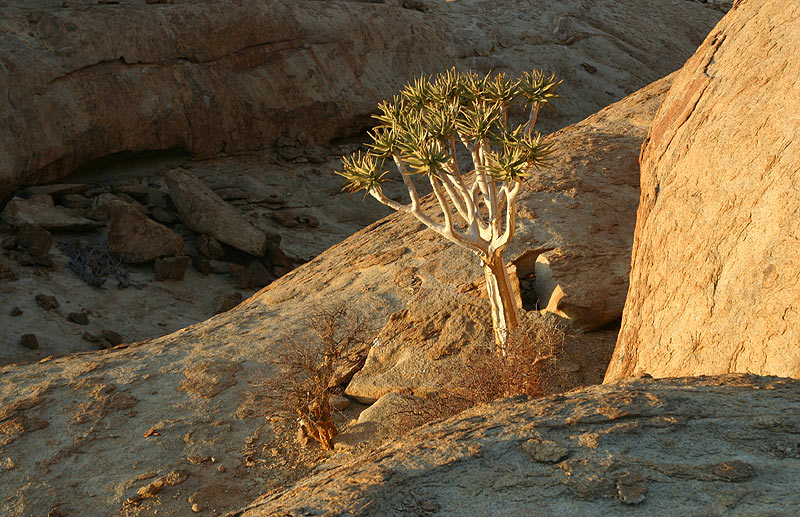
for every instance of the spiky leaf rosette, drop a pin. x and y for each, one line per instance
(362, 172)
(537, 88)
(420, 125)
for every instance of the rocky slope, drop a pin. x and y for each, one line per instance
(275, 196)
(89, 411)
(83, 80)
(714, 284)
(713, 446)
(572, 252)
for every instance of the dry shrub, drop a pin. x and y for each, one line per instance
(307, 370)
(526, 366)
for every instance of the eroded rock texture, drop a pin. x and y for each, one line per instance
(714, 283)
(189, 384)
(706, 446)
(87, 80)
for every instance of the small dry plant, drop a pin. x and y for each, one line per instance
(526, 365)
(307, 370)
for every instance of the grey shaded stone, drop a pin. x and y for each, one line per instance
(29, 341)
(545, 451)
(171, 268)
(135, 238)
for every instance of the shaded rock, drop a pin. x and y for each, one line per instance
(106, 202)
(46, 302)
(709, 292)
(16, 311)
(171, 268)
(40, 213)
(276, 255)
(226, 302)
(29, 341)
(157, 198)
(205, 212)
(665, 438)
(106, 339)
(110, 107)
(133, 187)
(260, 275)
(81, 318)
(57, 190)
(219, 267)
(35, 239)
(112, 337)
(134, 238)
(75, 201)
(201, 265)
(339, 402)
(254, 276)
(28, 259)
(242, 277)
(164, 216)
(286, 219)
(209, 247)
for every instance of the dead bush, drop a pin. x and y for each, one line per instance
(527, 365)
(307, 370)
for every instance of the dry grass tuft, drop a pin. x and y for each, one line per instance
(527, 366)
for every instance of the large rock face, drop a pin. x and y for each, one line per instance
(714, 282)
(649, 447)
(88, 80)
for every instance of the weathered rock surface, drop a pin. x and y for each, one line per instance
(420, 344)
(676, 446)
(579, 215)
(577, 218)
(39, 212)
(203, 211)
(714, 284)
(135, 238)
(379, 271)
(86, 80)
(270, 187)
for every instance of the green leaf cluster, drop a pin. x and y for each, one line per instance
(421, 125)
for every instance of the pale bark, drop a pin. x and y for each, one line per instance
(488, 228)
(505, 313)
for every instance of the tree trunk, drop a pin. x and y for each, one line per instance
(505, 315)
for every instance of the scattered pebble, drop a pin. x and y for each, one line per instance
(47, 302)
(631, 488)
(81, 318)
(545, 451)
(339, 402)
(29, 341)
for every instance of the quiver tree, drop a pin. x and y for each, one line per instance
(421, 131)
